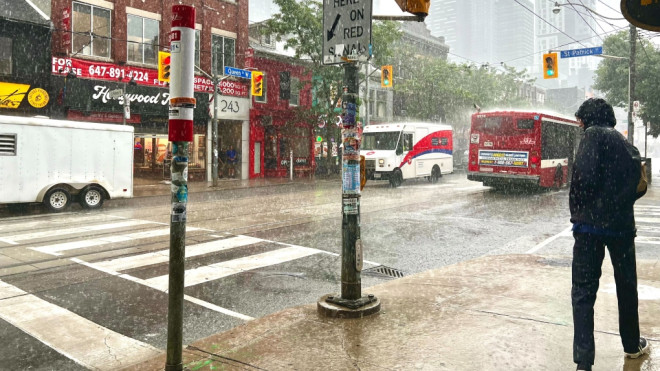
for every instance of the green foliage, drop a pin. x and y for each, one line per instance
(612, 77)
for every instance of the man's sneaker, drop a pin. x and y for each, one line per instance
(643, 349)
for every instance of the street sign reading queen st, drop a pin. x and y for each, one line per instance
(346, 30)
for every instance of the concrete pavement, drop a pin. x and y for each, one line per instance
(505, 312)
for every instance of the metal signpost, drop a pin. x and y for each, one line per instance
(581, 52)
(347, 39)
(180, 133)
(346, 30)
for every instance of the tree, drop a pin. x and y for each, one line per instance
(612, 77)
(299, 24)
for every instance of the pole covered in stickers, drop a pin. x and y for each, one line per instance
(180, 134)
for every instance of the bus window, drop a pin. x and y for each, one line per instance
(525, 124)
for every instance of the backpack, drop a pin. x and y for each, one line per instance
(640, 169)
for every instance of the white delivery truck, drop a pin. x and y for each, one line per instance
(400, 151)
(55, 162)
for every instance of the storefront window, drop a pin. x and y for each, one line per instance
(91, 30)
(5, 56)
(223, 53)
(142, 39)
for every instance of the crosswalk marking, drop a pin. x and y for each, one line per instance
(68, 231)
(148, 284)
(71, 335)
(57, 249)
(227, 268)
(163, 256)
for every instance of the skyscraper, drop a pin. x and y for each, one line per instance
(477, 31)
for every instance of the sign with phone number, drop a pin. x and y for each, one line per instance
(504, 158)
(142, 76)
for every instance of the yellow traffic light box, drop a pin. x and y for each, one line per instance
(164, 66)
(550, 67)
(257, 83)
(386, 76)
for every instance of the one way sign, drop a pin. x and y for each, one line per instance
(346, 29)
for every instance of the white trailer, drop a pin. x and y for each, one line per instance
(55, 162)
(396, 152)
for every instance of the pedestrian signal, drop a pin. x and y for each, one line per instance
(257, 83)
(164, 66)
(386, 76)
(550, 66)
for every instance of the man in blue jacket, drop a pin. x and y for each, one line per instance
(601, 198)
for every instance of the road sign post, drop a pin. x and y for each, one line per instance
(346, 30)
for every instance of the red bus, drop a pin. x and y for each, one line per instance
(515, 148)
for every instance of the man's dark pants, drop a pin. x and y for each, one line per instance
(588, 255)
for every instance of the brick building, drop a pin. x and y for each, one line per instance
(99, 46)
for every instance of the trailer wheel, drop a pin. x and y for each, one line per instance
(91, 198)
(435, 174)
(396, 178)
(57, 199)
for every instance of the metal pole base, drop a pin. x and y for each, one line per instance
(333, 306)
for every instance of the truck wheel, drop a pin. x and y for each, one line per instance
(435, 174)
(57, 199)
(396, 178)
(91, 198)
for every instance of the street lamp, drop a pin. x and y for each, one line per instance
(631, 65)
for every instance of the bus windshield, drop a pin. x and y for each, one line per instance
(380, 141)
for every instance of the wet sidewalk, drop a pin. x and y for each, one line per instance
(507, 312)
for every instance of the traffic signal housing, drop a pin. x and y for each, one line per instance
(419, 8)
(550, 67)
(164, 66)
(386, 76)
(257, 83)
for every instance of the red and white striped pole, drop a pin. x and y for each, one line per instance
(180, 134)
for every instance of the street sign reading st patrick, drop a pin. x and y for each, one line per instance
(346, 29)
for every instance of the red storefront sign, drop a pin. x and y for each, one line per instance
(102, 71)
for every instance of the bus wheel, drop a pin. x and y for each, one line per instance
(396, 178)
(435, 174)
(559, 177)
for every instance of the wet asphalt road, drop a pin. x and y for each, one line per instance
(78, 260)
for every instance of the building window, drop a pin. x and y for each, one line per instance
(262, 98)
(5, 56)
(91, 30)
(197, 36)
(294, 98)
(142, 39)
(223, 53)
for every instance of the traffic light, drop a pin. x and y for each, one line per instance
(386, 76)
(550, 68)
(285, 85)
(417, 7)
(164, 66)
(257, 83)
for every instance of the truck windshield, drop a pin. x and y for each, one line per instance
(376, 141)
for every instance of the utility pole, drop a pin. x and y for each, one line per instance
(180, 133)
(631, 83)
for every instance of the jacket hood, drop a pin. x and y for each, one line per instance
(596, 112)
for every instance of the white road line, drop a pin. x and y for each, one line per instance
(140, 281)
(71, 335)
(88, 228)
(227, 268)
(58, 248)
(565, 232)
(163, 256)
